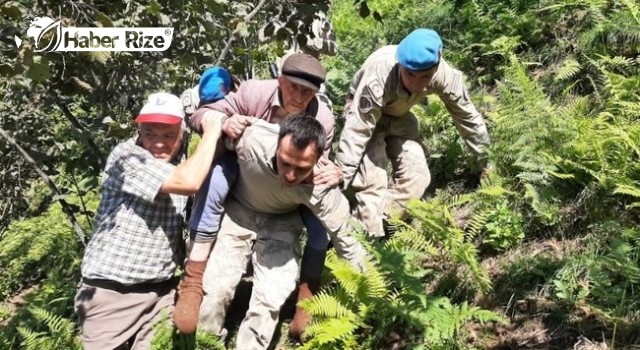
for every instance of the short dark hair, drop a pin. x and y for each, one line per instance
(304, 130)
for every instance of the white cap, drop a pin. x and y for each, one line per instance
(161, 107)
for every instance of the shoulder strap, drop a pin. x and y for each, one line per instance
(185, 145)
(313, 107)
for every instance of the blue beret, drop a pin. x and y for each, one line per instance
(214, 84)
(419, 50)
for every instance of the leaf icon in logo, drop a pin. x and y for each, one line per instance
(45, 28)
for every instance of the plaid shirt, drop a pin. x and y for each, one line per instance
(138, 233)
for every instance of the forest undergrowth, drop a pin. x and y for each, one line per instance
(543, 253)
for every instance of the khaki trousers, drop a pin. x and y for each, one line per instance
(110, 317)
(396, 139)
(271, 243)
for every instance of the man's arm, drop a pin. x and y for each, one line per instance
(231, 105)
(360, 122)
(132, 169)
(187, 177)
(469, 122)
(331, 207)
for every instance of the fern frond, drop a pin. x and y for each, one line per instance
(541, 206)
(329, 331)
(616, 62)
(346, 275)
(460, 199)
(325, 305)
(408, 239)
(56, 324)
(569, 69)
(436, 316)
(375, 283)
(208, 342)
(631, 191)
(31, 340)
(625, 138)
(466, 254)
(477, 224)
(560, 175)
(634, 9)
(494, 191)
(466, 313)
(533, 177)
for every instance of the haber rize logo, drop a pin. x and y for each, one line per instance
(40, 26)
(50, 35)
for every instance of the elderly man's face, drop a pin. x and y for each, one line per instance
(295, 97)
(295, 165)
(162, 140)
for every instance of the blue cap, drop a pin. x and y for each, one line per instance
(419, 50)
(214, 84)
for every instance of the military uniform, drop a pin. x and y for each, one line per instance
(261, 226)
(379, 125)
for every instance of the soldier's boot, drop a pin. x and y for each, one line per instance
(301, 319)
(187, 310)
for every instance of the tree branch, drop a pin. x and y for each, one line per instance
(234, 33)
(65, 206)
(74, 121)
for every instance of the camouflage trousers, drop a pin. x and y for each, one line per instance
(395, 139)
(270, 242)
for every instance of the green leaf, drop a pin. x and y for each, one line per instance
(208, 26)
(104, 19)
(242, 29)
(39, 71)
(58, 197)
(6, 70)
(154, 7)
(97, 56)
(629, 190)
(12, 10)
(216, 7)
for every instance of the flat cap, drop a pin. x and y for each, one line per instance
(304, 69)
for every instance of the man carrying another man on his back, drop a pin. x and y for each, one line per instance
(273, 101)
(262, 225)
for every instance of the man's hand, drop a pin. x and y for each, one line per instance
(211, 123)
(234, 126)
(328, 174)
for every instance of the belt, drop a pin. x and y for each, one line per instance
(163, 286)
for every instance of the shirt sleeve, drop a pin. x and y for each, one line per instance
(360, 122)
(133, 170)
(229, 105)
(469, 122)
